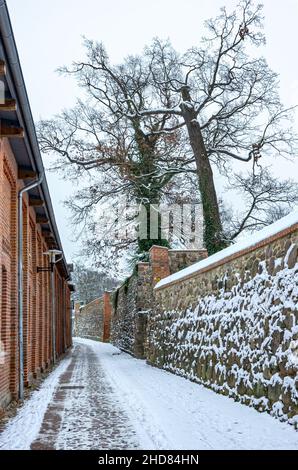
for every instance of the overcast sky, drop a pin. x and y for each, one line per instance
(49, 34)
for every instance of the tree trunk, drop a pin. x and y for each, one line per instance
(144, 244)
(212, 223)
(148, 192)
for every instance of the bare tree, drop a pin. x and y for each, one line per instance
(227, 101)
(91, 284)
(265, 200)
(162, 114)
(110, 237)
(123, 154)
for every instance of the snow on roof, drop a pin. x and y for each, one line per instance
(252, 240)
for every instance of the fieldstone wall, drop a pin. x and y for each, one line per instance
(180, 259)
(133, 301)
(124, 310)
(233, 326)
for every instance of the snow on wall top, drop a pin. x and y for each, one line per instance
(267, 232)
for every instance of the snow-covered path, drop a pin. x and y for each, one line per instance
(107, 400)
(24, 427)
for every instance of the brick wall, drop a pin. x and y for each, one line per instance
(8, 286)
(232, 325)
(93, 320)
(37, 294)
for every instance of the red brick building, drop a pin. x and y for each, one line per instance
(40, 303)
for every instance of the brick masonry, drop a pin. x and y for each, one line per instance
(37, 293)
(93, 320)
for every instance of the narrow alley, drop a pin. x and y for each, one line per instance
(101, 398)
(148, 232)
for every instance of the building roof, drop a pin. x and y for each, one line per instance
(26, 150)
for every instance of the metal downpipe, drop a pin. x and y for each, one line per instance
(20, 280)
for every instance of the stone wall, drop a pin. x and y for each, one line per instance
(93, 320)
(180, 259)
(232, 324)
(123, 314)
(133, 301)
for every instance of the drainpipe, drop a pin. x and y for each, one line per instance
(71, 313)
(64, 314)
(53, 290)
(27, 188)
